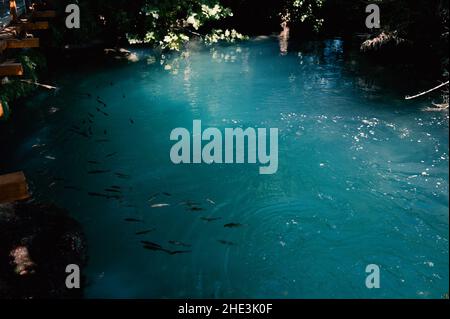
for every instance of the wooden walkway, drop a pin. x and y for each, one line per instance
(18, 21)
(17, 25)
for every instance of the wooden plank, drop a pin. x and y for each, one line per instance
(9, 69)
(13, 187)
(44, 14)
(23, 43)
(38, 25)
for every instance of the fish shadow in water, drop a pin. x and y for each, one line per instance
(156, 247)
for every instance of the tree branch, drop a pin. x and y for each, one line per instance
(426, 92)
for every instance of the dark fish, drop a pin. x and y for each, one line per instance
(195, 208)
(101, 102)
(123, 96)
(90, 130)
(90, 121)
(210, 219)
(100, 111)
(99, 171)
(159, 248)
(143, 232)
(111, 154)
(93, 162)
(105, 132)
(131, 121)
(176, 252)
(151, 247)
(232, 225)
(226, 242)
(149, 243)
(98, 194)
(167, 194)
(104, 140)
(178, 243)
(133, 220)
(111, 190)
(115, 187)
(84, 122)
(91, 115)
(87, 94)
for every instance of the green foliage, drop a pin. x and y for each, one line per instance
(33, 62)
(217, 35)
(305, 12)
(165, 23)
(12, 88)
(170, 24)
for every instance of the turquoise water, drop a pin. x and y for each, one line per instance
(362, 177)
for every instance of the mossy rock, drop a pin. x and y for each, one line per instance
(53, 239)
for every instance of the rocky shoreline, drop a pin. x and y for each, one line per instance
(37, 242)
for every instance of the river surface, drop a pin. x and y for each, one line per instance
(362, 176)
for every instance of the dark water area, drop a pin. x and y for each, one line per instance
(362, 176)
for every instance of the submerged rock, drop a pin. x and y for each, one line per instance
(122, 54)
(37, 242)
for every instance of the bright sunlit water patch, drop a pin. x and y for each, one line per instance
(362, 178)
